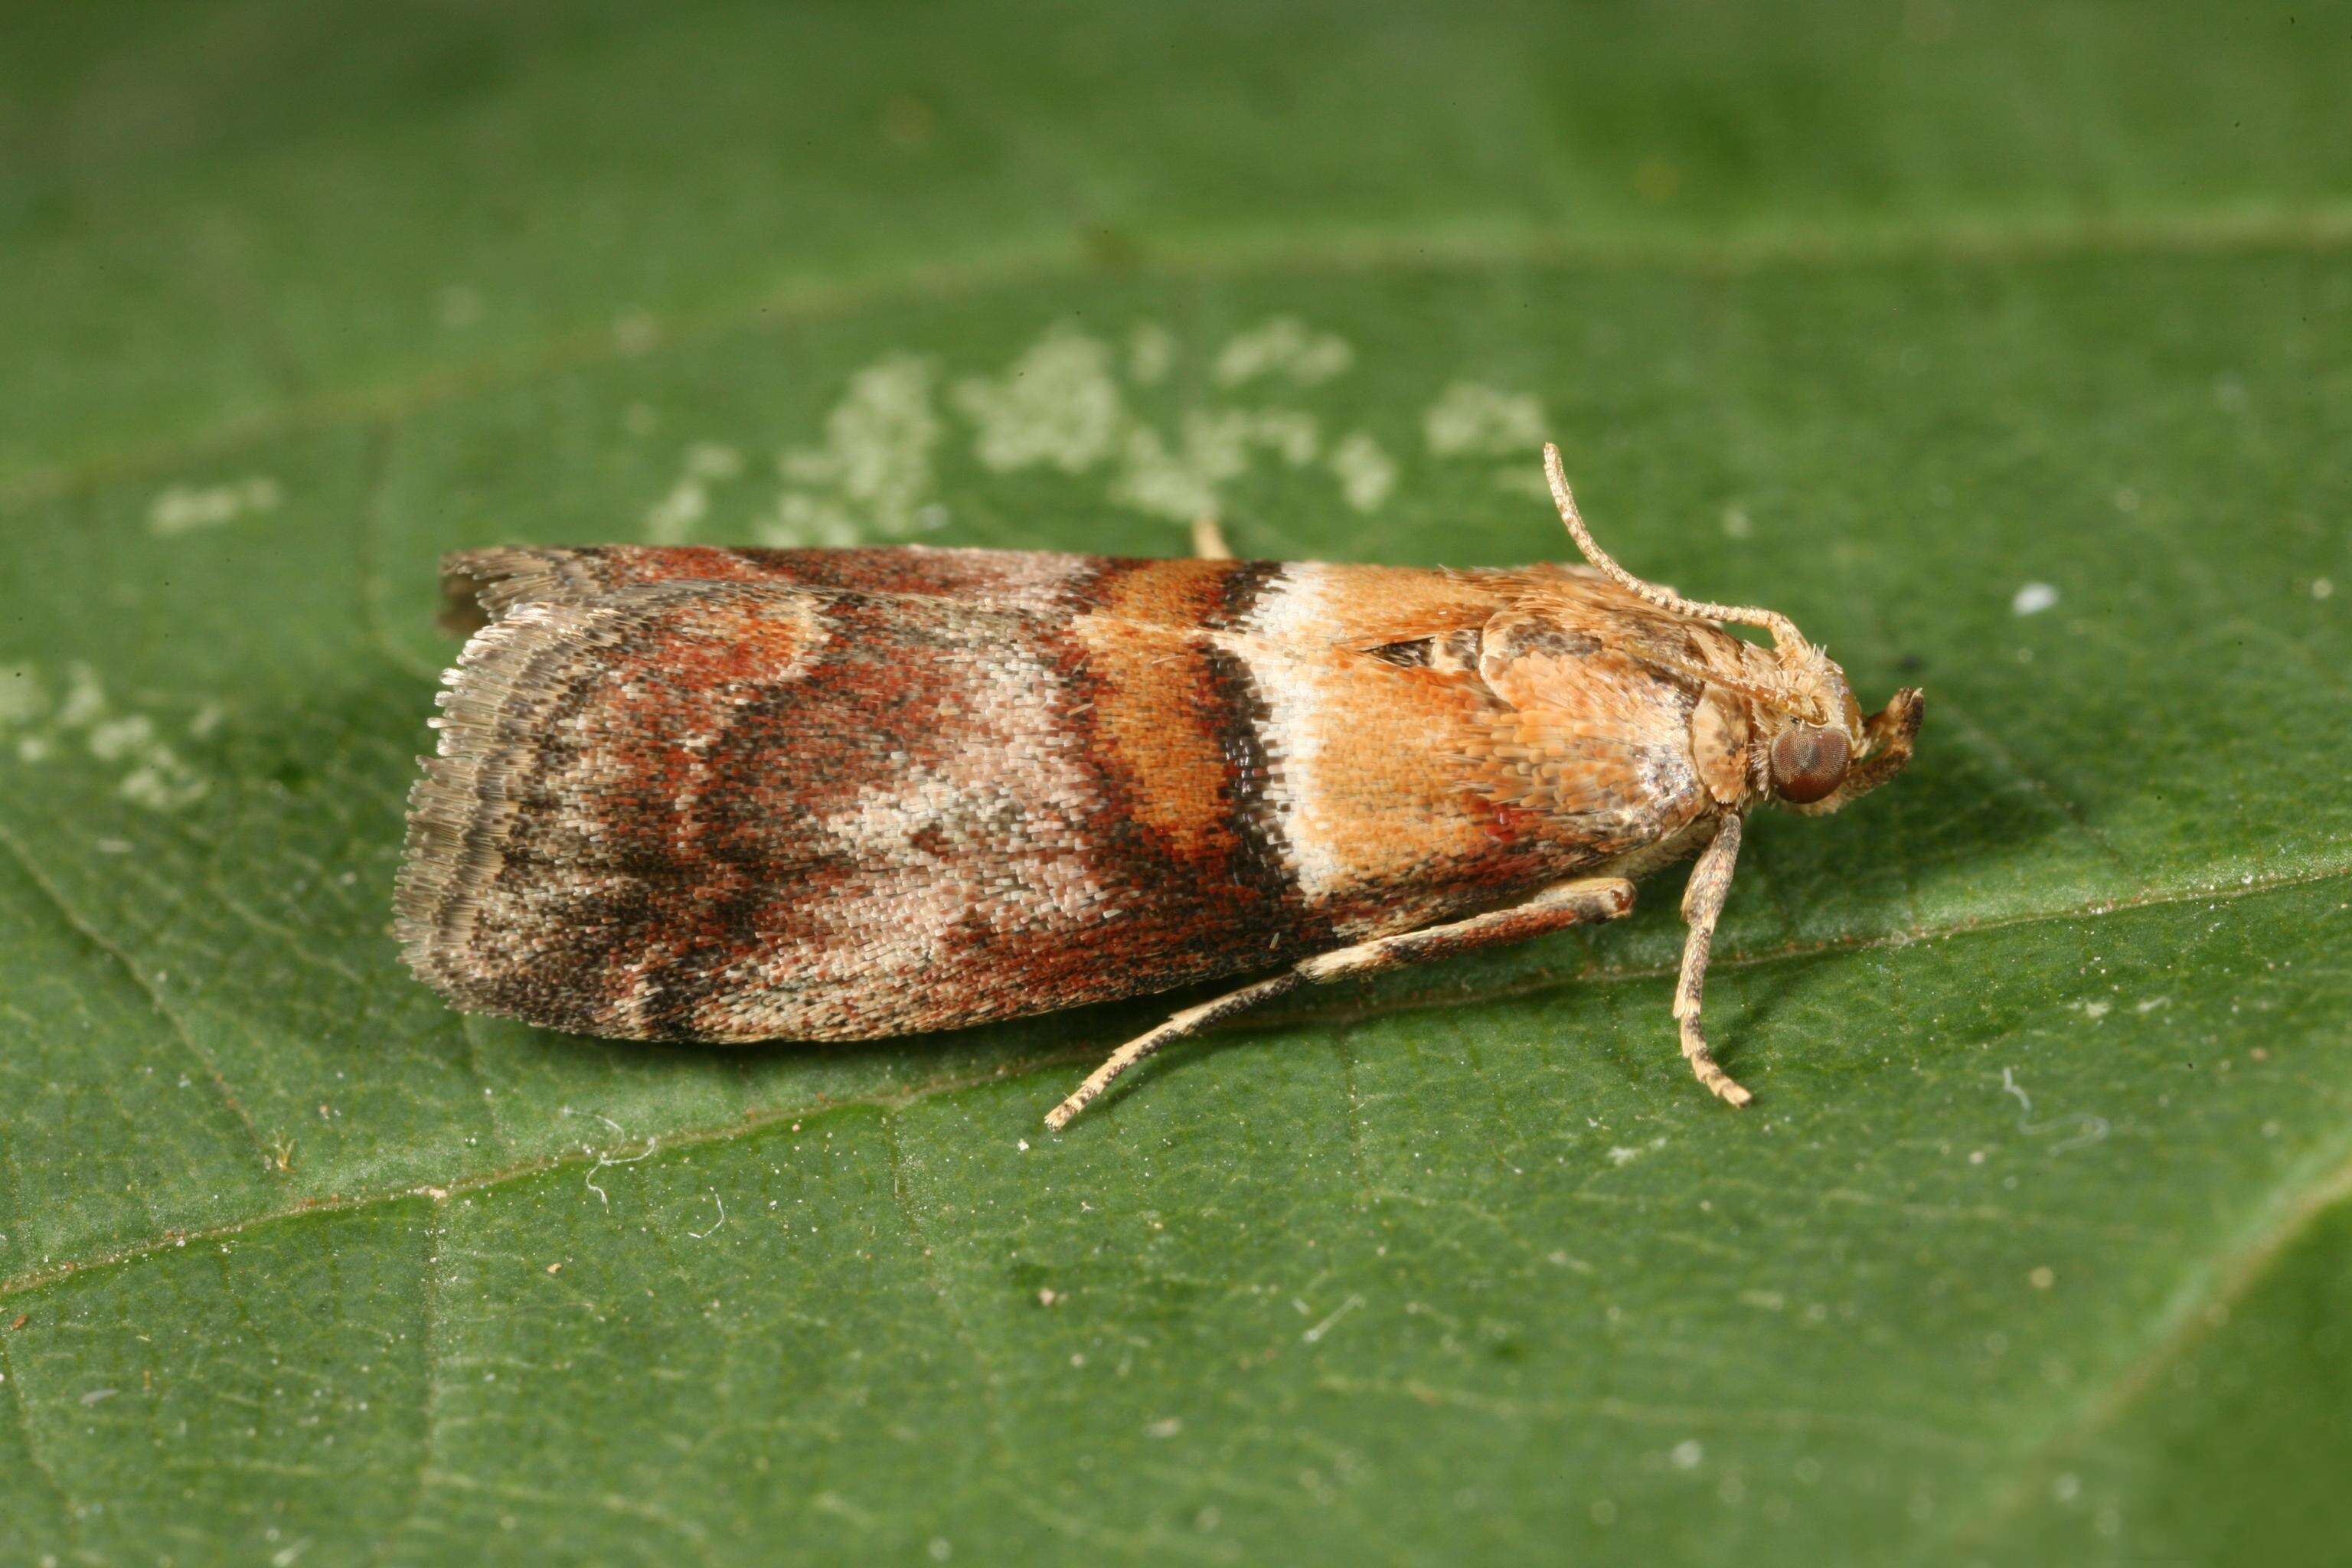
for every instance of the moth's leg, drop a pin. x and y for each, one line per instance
(1554, 909)
(1192, 1020)
(1710, 880)
(1208, 540)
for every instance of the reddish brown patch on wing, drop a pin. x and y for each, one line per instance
(732, 811)
(1157, 711)
(1176, 595)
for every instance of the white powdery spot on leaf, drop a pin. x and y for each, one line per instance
(165, 784)
(1150, 353)
(1470, 418)
(1283, 346)
(1225, 438)
(1291, 435)
(22, 699)
(804, 522)
(184, 508)
(2032, 599)
(874, 471)
(1523, 478)
(1163, 482)
(85, 699)
(1367, 474)
(713, 460)
(671, 519)
(1182, 483)
(156, 775)
(1057, 404)
(116, 739)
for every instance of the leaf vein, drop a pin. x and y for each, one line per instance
(586, 1155)
(89, 933)
(2198, 1308)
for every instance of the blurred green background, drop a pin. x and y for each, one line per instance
(2005, 346)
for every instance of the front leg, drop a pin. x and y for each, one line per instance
(1710, 880)
(1555, 908)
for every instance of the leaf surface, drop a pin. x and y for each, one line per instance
(1969, 340)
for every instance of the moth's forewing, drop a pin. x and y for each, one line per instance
(740, 794)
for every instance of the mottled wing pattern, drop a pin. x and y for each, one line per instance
(737, 794)
(479, 586)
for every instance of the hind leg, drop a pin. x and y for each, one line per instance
(1554, 909)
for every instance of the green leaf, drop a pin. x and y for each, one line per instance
(2006, 352)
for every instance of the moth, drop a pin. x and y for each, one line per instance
(697, 794)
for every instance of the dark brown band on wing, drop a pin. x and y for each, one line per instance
(1262, 861)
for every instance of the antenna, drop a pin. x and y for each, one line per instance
(1784, 631)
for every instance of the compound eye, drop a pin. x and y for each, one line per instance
(1807, 762)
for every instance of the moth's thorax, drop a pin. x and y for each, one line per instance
(1566, 646)
(1619, 704)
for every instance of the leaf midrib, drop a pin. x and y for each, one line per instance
(587, 1155)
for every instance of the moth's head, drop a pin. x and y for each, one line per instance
(1812, 749)
(1817, 752)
